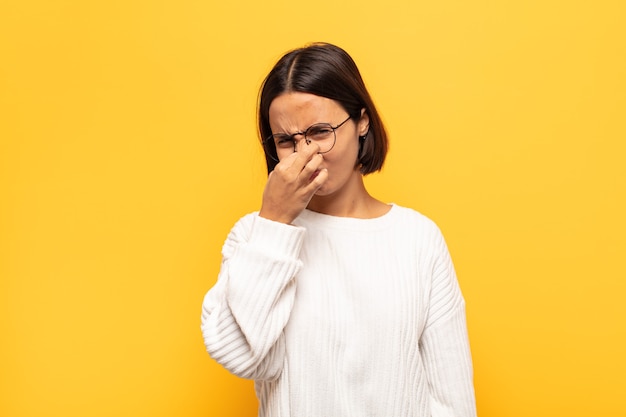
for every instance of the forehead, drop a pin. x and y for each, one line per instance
(297, 110)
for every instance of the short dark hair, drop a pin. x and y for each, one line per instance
(324, 70)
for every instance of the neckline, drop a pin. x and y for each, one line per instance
(327, 220)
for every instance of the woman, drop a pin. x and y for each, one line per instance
(336, 303)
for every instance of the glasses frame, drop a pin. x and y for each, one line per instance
(273, 152)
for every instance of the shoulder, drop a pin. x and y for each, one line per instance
(419, 231)
(414, 221)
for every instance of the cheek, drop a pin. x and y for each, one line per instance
(346, 154)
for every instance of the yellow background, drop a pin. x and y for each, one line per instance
(128, 150)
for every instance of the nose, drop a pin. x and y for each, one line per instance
(297, 142)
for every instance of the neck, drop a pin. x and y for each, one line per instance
(352, 201)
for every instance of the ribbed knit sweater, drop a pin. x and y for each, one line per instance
(339, 317)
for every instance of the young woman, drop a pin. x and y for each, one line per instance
(335, 303)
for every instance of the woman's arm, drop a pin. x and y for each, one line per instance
(444, 344)
(244, 314)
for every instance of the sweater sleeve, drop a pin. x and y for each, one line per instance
(444, 344)
(244, 314)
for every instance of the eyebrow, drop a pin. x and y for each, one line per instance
(300, 132)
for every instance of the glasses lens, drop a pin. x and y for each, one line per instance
(283, 141)
(323, 134)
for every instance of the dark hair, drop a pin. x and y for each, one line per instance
(324, 70)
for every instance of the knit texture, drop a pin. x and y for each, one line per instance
(340, 317)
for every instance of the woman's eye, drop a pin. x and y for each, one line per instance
(319, 132)
(283, 141)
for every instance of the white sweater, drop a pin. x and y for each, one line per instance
(339, 317)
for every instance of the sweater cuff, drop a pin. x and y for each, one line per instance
(278, 239)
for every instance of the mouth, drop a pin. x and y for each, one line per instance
(313, 175)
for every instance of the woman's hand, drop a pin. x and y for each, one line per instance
(292, 184)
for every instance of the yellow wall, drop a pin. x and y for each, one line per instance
(127, 151)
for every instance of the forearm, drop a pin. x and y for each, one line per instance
(447, 361)
(244, 315)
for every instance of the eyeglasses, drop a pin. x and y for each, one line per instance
(321, 133)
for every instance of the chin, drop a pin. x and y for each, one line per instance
(324, 190)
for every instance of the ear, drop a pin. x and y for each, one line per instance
(363, 126)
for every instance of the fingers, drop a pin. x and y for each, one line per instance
(292, 184)
(310, 158)
(310, 168)
(305, 147)
(305, 152)
(318, 180)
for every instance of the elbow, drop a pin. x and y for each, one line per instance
(230, 349)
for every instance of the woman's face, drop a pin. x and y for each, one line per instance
(295, 112)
